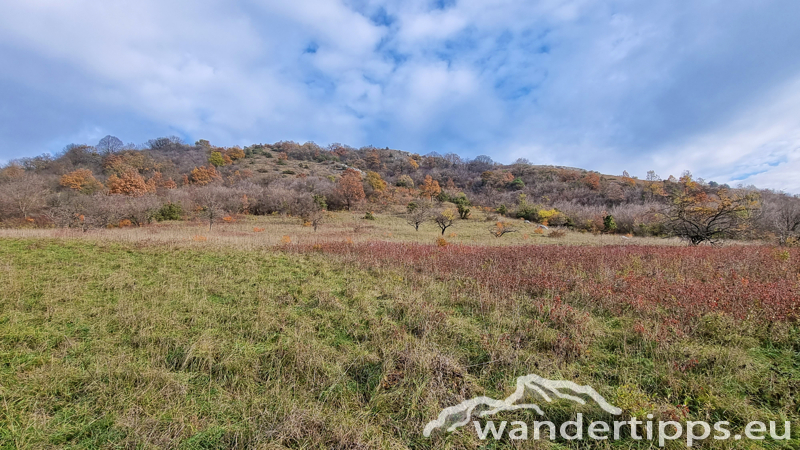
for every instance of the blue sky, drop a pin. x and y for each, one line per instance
(708, 86)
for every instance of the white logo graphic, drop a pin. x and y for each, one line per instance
(548, 389)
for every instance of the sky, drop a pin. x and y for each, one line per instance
(609, 85)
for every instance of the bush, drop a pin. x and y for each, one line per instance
(288, 172)
(369, 216)
(528, 212)
(609, 224)
(462, 204)
(169, 211)
(502, 210)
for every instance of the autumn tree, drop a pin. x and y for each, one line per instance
(375, 181)
(205, 175)
(418, 213)
(404, 181)
(592, 180)
(350, 187)
(129, 183)
(12, 171)
(500, 229)
(701, 216)
(430, 188)
(157, 181)
(81, 180)
(444, 219)
(235, 153)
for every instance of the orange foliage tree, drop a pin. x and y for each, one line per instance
(158, 181)
(81, 180)
(592, 180)
(235, 153)
(129, 183)
(430, 188)
(204, 175)
(350, 187)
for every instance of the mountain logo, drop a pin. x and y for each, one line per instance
(461, 414)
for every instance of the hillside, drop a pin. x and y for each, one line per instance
(103, 185)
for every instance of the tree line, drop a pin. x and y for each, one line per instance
(114, 184)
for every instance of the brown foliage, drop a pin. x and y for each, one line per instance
(350, 187)
(430, 188)
(129, 183)
(204, 175)
(235, 153)
(592, 180)
(81, 180)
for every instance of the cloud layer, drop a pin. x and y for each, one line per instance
(713, 87)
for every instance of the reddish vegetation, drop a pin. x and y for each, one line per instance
(676, 284)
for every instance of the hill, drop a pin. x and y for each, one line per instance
(109, 183)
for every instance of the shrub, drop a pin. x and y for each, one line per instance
(169, 211)
(502, 210)
(528, 212)
(557, 234)
(404, 181)
(462, 205)
(216, 159)
(609, 224)
(369, 216)
(441, 242)
(288, 172)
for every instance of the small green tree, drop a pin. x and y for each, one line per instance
(216, 159)
(527, 210)
(462, 205)
(609, 224)
(169, 211)
(517, 184)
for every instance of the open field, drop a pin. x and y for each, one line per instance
(257, 232)
(345, 338)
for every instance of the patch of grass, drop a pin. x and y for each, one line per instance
(109, 344)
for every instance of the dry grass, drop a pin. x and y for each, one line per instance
(170, 336)
(258, 232)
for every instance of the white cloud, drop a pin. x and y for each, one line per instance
(609, 85)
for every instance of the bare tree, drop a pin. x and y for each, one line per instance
(417, 213)
(24, 195)
(213, 202)
(781, 216)
(109, 144)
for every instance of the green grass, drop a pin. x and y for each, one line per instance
(120, 345)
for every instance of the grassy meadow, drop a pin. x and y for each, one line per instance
(265, 334)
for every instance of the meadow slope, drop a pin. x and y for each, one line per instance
(126, 344)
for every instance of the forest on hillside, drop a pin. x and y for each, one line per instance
(112, 184)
